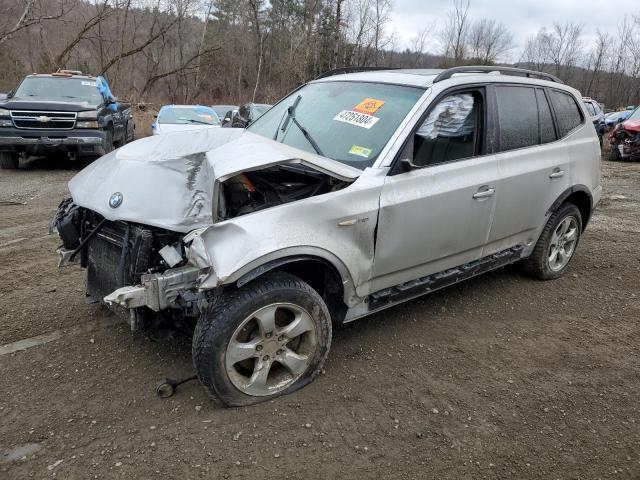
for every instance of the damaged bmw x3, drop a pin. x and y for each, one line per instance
(356, 192)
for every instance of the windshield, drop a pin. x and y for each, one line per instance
(635, 115)
(188, 115)
(350, 122)
(60, 88)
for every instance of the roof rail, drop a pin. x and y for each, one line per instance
(450, 72)
(343, 70)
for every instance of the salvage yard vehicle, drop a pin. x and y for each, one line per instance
(177, 118)
(247, 114)
(597, 116)
(625, 139)
(65, 111)
(356, 192)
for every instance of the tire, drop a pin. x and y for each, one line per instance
(614, 154)
(108, 142)
(540, 264)
(9, 160)
(231, 348)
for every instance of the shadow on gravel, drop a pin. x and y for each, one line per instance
(54, 162)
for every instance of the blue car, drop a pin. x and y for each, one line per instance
(613, 118)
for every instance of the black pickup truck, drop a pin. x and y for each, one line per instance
(63, 112)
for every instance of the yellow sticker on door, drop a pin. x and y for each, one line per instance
(368, 106)
(360, 151)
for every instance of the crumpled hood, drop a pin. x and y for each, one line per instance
(168, 180)
(632, 125)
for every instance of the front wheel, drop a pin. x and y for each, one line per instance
(9, 160)
(556, 245)
(267, 339)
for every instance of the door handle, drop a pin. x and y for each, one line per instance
(487, 192)
(557, 173)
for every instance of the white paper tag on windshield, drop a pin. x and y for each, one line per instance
(358, 119)
(89, 84)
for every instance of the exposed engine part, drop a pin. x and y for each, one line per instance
(157, 291)
(255, 190)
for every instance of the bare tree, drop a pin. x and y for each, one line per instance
(32, 14)
(454, 33)
(489, 40)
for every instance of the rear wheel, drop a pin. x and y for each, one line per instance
(556, 245)
(9, 160)
(267, 339)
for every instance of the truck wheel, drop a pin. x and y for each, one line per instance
(269, 338)
(108, 142)
(556, 245)
(9, 160)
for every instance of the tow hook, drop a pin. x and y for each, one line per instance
(167, 387)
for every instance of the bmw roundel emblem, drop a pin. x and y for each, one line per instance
(115, 200)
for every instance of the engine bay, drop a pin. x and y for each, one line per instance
(252, 191)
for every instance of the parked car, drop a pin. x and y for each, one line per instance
(66, 112)
(248, 113)
(178, 118)
(597, 116)
(613, 118)
(353, 194)
(222, 110)
(227, 121)
(625, 139)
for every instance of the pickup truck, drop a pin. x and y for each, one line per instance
(63, 112)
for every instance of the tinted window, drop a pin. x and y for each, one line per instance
(547, 130)
(450, 131)
(517, 117)
(568, 114)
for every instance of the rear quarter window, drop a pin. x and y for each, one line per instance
(568, 114)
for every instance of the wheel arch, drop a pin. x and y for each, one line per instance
(329, 278)
(581, 197)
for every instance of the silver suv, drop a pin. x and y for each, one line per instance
(356, 192)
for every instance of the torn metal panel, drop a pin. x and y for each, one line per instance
(236, 246)
(167, 181)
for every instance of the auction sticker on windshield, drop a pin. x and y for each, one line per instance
(369, 106)
(358, 119)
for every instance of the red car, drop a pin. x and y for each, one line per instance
(625, 139)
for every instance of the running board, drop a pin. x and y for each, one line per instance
(439, 280)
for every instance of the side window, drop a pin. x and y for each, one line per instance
(547, 130)
(590, 108)
(568, 115)
(517, 117)
(451, 131)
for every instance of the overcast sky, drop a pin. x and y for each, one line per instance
(522, 17)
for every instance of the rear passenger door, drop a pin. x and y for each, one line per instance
(533, 163)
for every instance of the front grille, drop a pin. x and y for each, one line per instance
(40, 120)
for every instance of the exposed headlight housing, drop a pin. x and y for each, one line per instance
(90, 114)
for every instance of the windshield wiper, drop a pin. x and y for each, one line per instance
(198, 121)
(291, 117)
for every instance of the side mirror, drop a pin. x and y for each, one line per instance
(11, 94)
(155, 115)
(407, 164)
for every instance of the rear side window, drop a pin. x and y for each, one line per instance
(568, 114)
(547, 130)
(517, 117)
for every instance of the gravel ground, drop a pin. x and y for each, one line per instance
(498, 377)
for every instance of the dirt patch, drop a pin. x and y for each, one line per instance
(498, 377)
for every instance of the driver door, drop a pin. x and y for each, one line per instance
(437, 213)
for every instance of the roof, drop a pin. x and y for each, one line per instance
(52, 75)
(424, 78)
